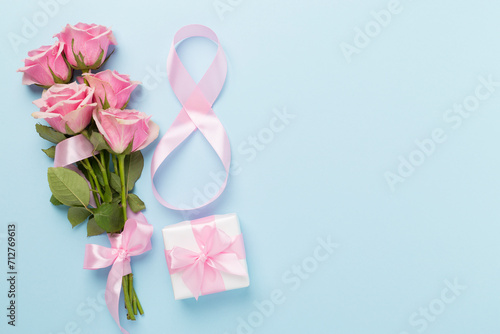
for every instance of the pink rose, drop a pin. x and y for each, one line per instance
(46, 66)
(121, 127)
(65, 106)
(111, 89)
(86, 45)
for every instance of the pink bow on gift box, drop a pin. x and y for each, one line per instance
(218, 252)
(134, 240)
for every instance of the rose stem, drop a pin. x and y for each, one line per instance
(115, 164)
(127, 297)
(104, 173)
(121, 164)
(132, 294)
(88, 166)
(92, 185)
(139, 306)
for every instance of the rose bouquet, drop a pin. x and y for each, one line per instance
(97, 157)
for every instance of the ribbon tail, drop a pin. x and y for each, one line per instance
(193, 278)
(212, 281)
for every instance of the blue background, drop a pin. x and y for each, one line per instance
(323, 175)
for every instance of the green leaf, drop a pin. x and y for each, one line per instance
(56, 79)
(106, 59)
(135, 203)
(117, 198)
(47, 133)
(133, 169)
(54, 200)
(80, 64)
(69, 131)
(98, 63)
(114, 182)
(68, 187)
(98, 174)
(70, 72)
(107, 193)
(42, 86)
(99, 142)
(109, 216)
(77, 215)
(51, 152)
(126, 103)
(97, 171)
(128, 150)
(93, 228)
(105, 104)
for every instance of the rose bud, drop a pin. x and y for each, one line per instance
(46, 66)
(67, 108)
(86, 45)
(111, 89)
(122, 127)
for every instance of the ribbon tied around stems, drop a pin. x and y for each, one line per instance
(134, 240)
(72, 150)
(196, 113)
(218, 252)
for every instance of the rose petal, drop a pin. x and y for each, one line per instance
(154, 130)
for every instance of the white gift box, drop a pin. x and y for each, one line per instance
(181, 236)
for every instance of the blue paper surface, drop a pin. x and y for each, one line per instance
(365, 136)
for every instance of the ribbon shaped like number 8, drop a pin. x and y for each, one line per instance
(196, 113)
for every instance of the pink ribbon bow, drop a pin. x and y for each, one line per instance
(196, 112)
(134, 240)
(218, 252)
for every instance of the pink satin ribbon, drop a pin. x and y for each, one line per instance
(196, 113)
(218, 252)
(134, 240)
(72, 150)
